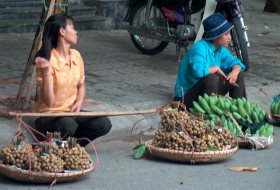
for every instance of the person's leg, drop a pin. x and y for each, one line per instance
(92, 128)
(208, 85)
(67, 126)
(239, 92)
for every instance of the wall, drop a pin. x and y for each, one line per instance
(115, 9)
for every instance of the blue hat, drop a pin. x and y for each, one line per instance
(215, 26)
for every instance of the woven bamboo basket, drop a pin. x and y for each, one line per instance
(189, 157)
(42, 177)
(243, 142)
(275, 117)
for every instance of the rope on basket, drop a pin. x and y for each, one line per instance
(54, 181)
(29, 128)
(96, 163)
(133, 127)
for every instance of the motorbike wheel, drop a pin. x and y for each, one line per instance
(146, 45)
(239, 43)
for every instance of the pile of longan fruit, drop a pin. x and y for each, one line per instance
(46, 157)
(181, 131)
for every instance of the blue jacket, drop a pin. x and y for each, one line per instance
(197, 61)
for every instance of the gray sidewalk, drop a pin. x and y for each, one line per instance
(119, 78)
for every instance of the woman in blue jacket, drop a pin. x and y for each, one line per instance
(209, 67)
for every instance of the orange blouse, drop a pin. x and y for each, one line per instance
(66, 78)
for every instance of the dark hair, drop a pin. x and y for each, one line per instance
(51, 33)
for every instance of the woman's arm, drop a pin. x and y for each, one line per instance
(228, 61)
(231, 65)
(47, 92)
(81, 88)
(80, 98)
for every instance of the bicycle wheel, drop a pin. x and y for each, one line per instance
(146, 45)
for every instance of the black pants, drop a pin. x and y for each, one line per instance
(214, 84)
(79, 127)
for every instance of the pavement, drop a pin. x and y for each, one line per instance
(120, 78)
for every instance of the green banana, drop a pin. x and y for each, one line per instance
(206, 97)
(234, 130)
(221, 104)
(247, 107)
(262, 130)
(217, 110)
(259, 107)
(227, 106)
(229, 124)
(198, 108)
(239, 103)
(203, 103)
(237, 116)
(233, 108)
(242, 111)
(244, 100)
(256, 109)
(261, 116)
(275, 107)
(254, 117)
(213, 116)
(213, 100)
(267, 133)
(250, 121)
(265, 130)
(278, 111)
(225, 124)
(270, 130)
(233, 102)
(238, 133)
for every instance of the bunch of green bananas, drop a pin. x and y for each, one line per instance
(266, 130)
(241, 109)
(275, 107)
(225, 122)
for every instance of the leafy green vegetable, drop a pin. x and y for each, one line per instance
(139, 151)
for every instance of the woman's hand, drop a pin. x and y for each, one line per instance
(232, 76)
(42, 65)
(77, 106)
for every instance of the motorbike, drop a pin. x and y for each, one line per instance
(153, 24)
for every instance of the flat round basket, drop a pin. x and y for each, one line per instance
(190, 157)
(243, 142)
(42, 177)
(275, 117)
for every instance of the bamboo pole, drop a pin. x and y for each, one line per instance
(82, 114)
(29, 66)
(24, 92)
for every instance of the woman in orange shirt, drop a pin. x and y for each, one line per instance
(61, 83)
